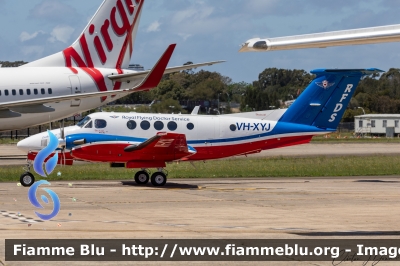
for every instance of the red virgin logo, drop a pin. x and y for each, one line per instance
(116, 26)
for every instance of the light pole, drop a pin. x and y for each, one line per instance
(362, 109)
(218, 101)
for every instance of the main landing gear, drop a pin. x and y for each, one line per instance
(27, 179)
(158, 179)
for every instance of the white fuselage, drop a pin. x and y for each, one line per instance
(34, 83)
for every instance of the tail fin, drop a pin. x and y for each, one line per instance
(106, 42)
(324, 101)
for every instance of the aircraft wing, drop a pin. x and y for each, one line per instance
(161, 148)
(151, 80)
(140, 75)
(371, 35)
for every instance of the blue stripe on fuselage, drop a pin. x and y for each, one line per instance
(280, 128)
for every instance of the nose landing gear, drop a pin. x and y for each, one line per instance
(27, 179)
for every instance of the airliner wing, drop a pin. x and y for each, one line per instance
(151, 80)
(142, 74)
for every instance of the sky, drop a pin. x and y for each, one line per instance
(208, 30)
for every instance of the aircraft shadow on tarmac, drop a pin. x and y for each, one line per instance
(352, 233)
(376, 181)
(168, 185)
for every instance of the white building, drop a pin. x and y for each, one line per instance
(387, 124)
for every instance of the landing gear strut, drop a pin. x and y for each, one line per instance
(27, 179)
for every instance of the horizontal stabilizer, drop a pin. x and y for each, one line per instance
(326, 98)
(142, 74)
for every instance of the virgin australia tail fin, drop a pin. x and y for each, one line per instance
(326, 98)
(106, 42)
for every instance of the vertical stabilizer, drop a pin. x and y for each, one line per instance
(106, 42)
(326, 98)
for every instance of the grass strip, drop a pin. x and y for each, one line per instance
(245, 167)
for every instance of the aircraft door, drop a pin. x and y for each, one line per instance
(75, 89)
(213, 134)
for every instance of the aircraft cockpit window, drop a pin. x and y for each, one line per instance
(172, 126)
(131, 124)
(83, 121)
(100, 123)
(190, 126)
(145, 125)
(158, 125)
(89, 125)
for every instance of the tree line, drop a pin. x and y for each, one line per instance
(181, 91)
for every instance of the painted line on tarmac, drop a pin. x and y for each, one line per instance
(19, 217)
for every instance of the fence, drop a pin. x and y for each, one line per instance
(24, 133)
(346, 127)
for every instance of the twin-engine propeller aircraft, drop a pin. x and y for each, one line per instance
(92, 72)
(143, 141)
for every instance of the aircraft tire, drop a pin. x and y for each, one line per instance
(142, 178)
(27, 179)
(158, 179)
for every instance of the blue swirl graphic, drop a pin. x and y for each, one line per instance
(32, 198)
(43, 154)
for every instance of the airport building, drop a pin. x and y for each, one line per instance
(377, 124)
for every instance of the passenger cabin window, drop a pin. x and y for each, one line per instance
(6, 92)
(83, 121)
(396, 123)
(158, 125)
(232, 127)
(172, 126)
(21, 92)
(190, 126)
(14, 92)
(28, 91)
(145, 125)
(42, 91)
(131, 124)
(100, 123)
(384, 123)
(50, 91)
(0, 93)
(35, 91)
(360, 123)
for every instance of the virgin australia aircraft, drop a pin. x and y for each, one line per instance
(92, 72)
(145, 141)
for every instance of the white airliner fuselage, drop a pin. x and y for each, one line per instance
(19, 84)
(91, 72)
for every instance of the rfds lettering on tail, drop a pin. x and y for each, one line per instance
(254, 126)
(339, 105)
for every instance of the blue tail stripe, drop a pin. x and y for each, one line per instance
(324, 101)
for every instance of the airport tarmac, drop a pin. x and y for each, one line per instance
(265, 208)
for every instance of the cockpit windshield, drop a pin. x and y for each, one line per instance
(83, 121)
